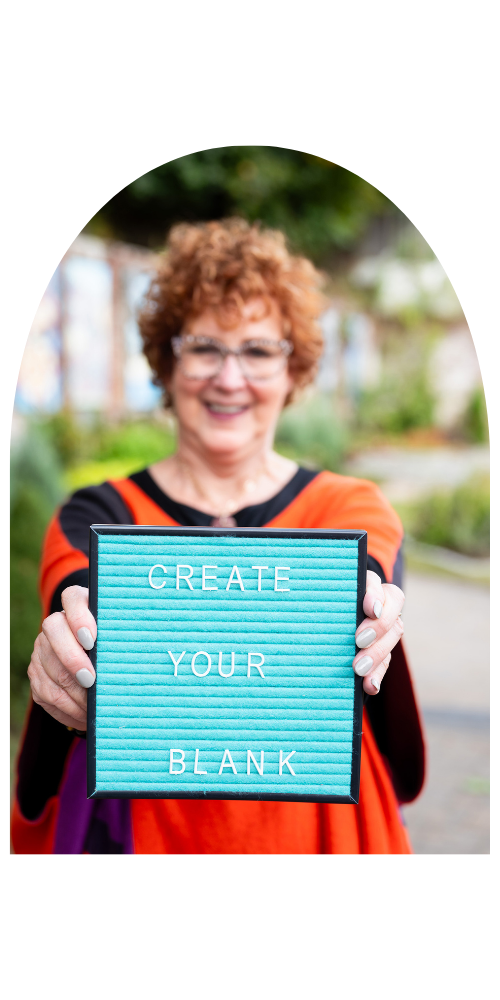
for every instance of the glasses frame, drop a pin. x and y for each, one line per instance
(285, 347)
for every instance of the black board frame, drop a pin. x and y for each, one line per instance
(140, 529)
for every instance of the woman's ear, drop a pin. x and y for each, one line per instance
(290, 397)
(290, 385)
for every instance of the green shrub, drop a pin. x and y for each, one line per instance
(120, 450)
(311, 433)
(70, 440)
(36, 464)
(28, 527)
(398, 404)
(36, 488)
(475, 420)
(144, 440)
(458, 520)
(77, 441)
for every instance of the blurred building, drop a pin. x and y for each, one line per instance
(415, 285)
(84, 349)
(454, 374)
(351, 360)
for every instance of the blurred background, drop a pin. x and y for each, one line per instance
(398, 399)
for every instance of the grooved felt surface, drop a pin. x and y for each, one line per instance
(305, 638)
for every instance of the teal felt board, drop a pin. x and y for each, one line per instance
(224, 663)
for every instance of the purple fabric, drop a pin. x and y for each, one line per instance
(94, 826)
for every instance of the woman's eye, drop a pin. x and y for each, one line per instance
(258, 352)
(202, 349)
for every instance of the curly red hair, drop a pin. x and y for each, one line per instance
(222, 266)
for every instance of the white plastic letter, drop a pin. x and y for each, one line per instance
(180, 576)
(229, 763)
(196, 769)
(156, 586)
(261, 768)
(257, 665)
(235, 573)
(280, 579)
(231, 672)
(209, 658)
(207, 576)
(284, 760)
(260, 568)
(181, 762)
(176, 662)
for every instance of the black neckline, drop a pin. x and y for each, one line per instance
(255, 516)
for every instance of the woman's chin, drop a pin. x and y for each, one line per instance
(225, 439)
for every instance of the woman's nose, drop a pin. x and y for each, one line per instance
(230, 375)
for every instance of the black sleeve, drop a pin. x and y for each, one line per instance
(80, 578)
(397, 569)
(41, 761)
(47, 742)
(375, 567)
(93, 505)
(378, 708)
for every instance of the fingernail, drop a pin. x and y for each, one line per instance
(376, 683)
(84, 636)
(85, 678)
(366, 637)
(363, 666)
(377, 609)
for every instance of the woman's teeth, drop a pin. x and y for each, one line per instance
(220, 408)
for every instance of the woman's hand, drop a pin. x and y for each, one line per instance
(378, 634)
(60, 670)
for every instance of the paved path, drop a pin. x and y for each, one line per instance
(406, 473)
(449, 655)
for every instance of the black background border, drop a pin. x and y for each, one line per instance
(107, 529)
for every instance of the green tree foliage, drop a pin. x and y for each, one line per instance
(320, 206)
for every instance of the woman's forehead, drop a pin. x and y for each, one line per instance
(256, 318)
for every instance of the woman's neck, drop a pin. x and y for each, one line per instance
(222, 483)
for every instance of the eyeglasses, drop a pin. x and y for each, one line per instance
(203, 357)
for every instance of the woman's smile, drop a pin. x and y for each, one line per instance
(225, 411)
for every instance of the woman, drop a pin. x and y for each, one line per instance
(230, 332)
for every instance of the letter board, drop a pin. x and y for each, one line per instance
(224, 663)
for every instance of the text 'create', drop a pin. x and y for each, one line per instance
(185, 578)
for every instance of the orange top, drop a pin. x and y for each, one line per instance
(374, 826)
